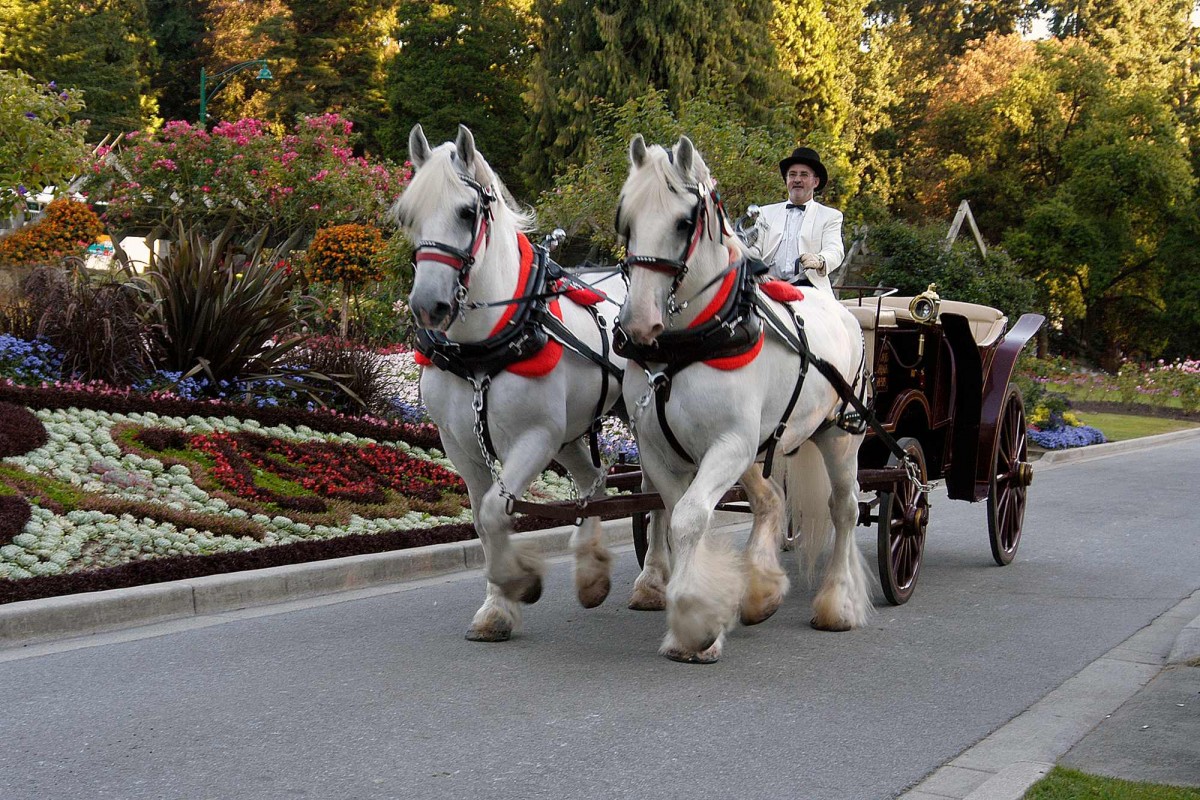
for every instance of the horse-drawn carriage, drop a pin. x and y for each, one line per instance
(877, 392)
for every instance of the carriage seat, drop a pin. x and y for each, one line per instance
(987, 324)
(867, 320)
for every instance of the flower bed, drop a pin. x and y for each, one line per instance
(127, 489)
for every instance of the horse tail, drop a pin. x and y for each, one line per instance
(808, 489)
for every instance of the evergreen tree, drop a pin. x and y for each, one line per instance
(460, 61)
(101, 47)
(593, 51)
(233, 34)
(177, 27)
(330, 56)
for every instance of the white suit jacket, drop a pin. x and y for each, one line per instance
(820, 233)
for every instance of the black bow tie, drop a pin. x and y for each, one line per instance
(790, 206)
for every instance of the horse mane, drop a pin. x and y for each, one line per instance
(439, 178)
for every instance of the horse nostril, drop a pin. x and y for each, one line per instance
(440, 311)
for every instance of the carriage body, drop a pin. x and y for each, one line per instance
(943, 389)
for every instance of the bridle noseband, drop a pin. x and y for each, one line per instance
(456, 258)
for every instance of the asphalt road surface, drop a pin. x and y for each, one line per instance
(381, 697)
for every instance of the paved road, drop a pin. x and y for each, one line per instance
(380, 696)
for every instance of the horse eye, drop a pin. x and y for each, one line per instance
(684, 224)
(467, 213)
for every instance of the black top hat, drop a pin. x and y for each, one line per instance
(806, 155)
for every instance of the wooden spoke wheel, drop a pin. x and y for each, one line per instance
(641, 539)
(1011, 476)
(903, 519)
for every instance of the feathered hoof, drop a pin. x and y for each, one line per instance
(673, 650)
(837, 626)
(489, 634)
(765, 591)
(594, 593)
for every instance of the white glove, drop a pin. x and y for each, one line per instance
(814, 262)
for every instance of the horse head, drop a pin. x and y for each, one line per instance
(673, 228)
(452, 211)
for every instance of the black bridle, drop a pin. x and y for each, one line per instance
(678, 267)
(459, 259)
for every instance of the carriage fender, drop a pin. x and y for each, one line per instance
(968, 390)
(995, 387)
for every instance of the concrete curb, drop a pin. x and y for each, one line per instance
(1004, 764)
(35, 621)
(1055, 457)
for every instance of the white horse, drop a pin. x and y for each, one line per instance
(471, 254)
(716, 419)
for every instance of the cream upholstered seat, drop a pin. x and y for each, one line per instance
(868, 319)
(987, 324)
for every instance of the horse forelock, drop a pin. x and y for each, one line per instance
(657, 184)
(439, 182)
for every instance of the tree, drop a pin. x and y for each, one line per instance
(461, 61)
(589, 53)
(328, 56)
(1099, 242)
(177, 27)
(42, 143)
(233, 33)
(742, 159)
(101, 47)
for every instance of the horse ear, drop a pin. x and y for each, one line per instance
(418, 146)
(684, 151)
(637, 151)
(465, 144)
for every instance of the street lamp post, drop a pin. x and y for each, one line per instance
(211, 84)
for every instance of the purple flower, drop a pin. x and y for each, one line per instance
(30, 115)
(21, 190)
(51, 85)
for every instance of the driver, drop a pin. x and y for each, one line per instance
(801, 239)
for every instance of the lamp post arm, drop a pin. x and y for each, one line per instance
(211, 84)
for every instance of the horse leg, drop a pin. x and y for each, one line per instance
(707, 582)
(498, 617)
(593, 562)
(766, 582)
(650, 588)
(515, 568)
(843, 601)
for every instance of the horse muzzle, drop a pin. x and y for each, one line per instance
(433, 315)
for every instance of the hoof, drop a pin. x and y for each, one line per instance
(644, 599)
(837, 627)
(489, 634)
(708, 655)
(758, 616)
(594, 595)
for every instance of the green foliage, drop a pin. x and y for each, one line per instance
(460, 62)
(177, 27)
(327, 56)
(222, 310)
(103, 48)
(591, 55)
(911, 258)
(743, 160)
(43, 140)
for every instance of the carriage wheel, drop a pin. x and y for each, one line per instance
(641, 539)
(1011, 476)
(903, 519)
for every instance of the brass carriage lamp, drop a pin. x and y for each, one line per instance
(925, 306)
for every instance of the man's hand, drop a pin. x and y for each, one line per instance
(814, 262)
